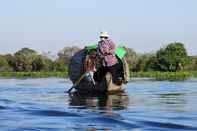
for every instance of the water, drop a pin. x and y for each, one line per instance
(41, 104)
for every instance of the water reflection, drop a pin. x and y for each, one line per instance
(172, 101)
(118, 101)
(172, 98)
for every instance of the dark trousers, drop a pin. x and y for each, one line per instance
(116, 71)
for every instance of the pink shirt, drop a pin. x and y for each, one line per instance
(107, 51)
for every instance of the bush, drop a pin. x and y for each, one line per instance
(172, 58)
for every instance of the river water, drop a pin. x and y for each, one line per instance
(41, 104)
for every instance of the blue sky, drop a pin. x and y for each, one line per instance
(50, 25)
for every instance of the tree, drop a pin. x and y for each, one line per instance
(59, 65)
(172, 58)
(65, 54)
(11, 61)
(4, 66)
(146, 62)
(131, 57)
(24, 59)
(41, 63)
(191, 64)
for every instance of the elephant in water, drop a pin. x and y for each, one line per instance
(102, 83)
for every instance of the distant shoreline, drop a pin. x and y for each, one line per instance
(33, 74)
(171, 76)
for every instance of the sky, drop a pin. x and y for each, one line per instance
(51, 25)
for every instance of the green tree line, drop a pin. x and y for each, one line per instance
(28, 60)
(171, 58)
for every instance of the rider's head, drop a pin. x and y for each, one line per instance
(104, 35)
(93, 53)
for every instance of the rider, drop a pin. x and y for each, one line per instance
(106, 50)
(106, 53)
(90, 65)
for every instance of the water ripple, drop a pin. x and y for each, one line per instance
(53, 113)
(39, 104)
(2, 107)
(167, 125)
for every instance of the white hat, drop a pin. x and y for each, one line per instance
(104, 34)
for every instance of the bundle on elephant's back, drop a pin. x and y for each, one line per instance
(76, 71)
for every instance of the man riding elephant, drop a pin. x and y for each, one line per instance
(106, 53)
(99, 68)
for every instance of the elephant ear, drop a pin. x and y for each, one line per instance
(76, 66)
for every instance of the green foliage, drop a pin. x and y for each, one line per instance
(172, 58)
(59, 65)
(4, 66)
(11, 61)
(146, 62)
(191, 64)
(171, 76)
(24, 59)
(162, 65)
(33, 74)
(65, 55)
(41, 63)
(131, 57)
(28, 60)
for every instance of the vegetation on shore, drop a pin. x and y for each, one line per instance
(33, 74)
(171, 76)
(170, 62)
